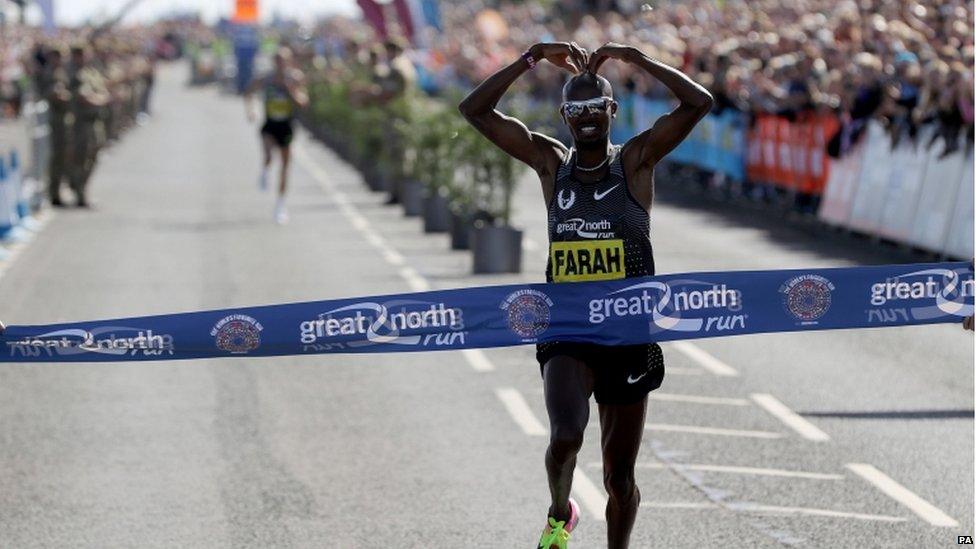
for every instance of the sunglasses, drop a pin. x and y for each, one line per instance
(572, 109)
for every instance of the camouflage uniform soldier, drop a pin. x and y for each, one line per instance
(89, 96)
(53, 87)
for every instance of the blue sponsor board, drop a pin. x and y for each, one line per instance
(618, 312)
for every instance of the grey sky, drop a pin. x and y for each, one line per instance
(72, 12)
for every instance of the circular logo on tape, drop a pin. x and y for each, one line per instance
(807, 297)
(237, 334)
(528, 313)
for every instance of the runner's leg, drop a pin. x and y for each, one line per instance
(285, 151)
(568, 385)
(622, 427)
(267, 143)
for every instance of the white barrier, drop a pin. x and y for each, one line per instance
(909, 195)
(838, 196)
(959, 241)
(866, 208)
(936, 201)
(904, 186)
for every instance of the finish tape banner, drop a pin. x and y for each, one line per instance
(618, 312)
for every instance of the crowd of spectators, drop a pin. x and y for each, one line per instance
(905, 62)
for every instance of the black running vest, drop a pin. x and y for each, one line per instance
(277, 102)
(597, 231)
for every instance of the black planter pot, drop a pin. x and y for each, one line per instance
(411, 195)
(374, 179)
(460, 228)
(394, 188)
(437, 213)
(496, 249)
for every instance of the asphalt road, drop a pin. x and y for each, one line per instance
(833, 439)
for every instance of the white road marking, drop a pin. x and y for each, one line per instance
(357, 220)
(392, 256)
(771, 509)
(478, 360)
(776, 509)
(697, 399)
(928, 512)
(529, 245)
(704, 359)
(372, 237)
(695, 429)
(679, 505)
(589, 495)
(416, 282)
(792, 420)
(735, 469)
(519, 409)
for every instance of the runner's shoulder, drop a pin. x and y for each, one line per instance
(630, 154)
(555, 152)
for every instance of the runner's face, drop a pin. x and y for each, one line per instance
(588, 112)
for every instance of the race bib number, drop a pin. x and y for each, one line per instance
(587, 260)
(278, 108)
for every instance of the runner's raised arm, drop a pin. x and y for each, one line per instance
(541, 152)
(669, 130)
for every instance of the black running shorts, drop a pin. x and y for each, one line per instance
(279, 130)
(622, 374)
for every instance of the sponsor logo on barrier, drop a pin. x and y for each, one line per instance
(807, 297)
(587, 260)
(940, 291)
(528, 313)
(237, 334)
(107, 340)
(402, 322)
(665, 303)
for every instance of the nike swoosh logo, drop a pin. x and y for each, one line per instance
(597, 195)
(632, 380)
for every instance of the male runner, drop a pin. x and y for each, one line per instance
(284, 89)
(598, 196)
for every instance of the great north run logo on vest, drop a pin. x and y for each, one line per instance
(237, 334)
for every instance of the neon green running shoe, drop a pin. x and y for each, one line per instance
(556, 533)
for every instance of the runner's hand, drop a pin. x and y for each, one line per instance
(2, 327)
(568, 56)
(610, 50)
